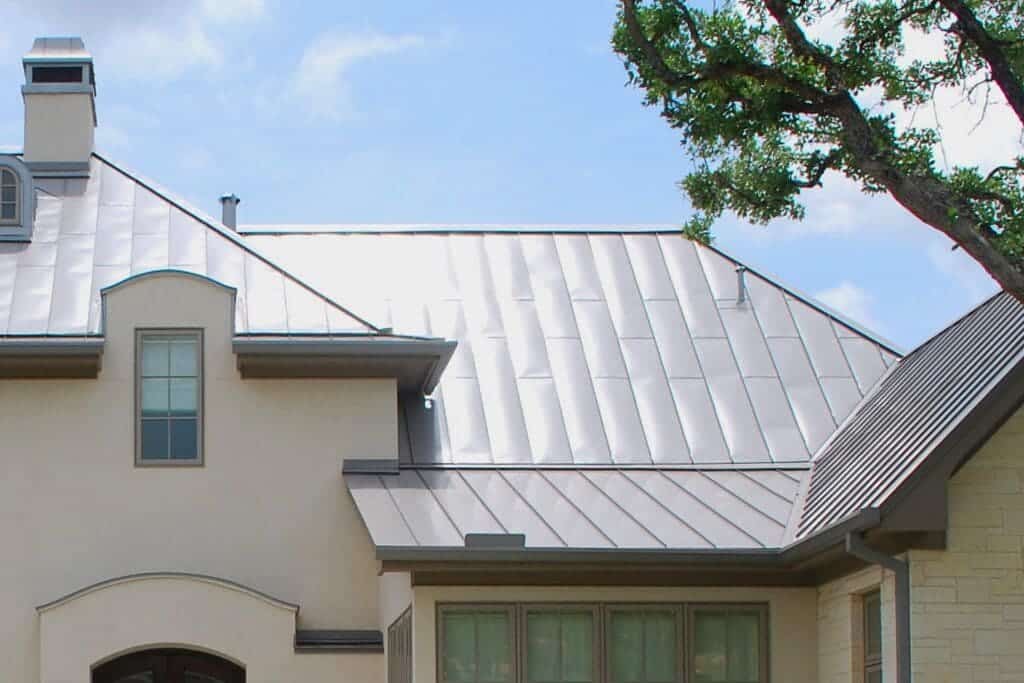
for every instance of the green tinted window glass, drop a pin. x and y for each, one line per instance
(660, 643)
(458, 661)
(560, 646)
(476, 647)
(169, 396)
(494, 642)
(727, 645)
(543, 641)
(710, 642)
(626, 647)
(577, 647)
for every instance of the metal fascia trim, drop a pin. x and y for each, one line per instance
(51, 346)
(764, 557)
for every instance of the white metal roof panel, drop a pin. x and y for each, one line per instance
(650, 357)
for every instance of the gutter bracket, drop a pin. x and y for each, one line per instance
(856, 546)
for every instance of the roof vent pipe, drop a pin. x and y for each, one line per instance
(741, 284)
(229, 210)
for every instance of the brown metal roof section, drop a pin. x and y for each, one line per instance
(918, 406)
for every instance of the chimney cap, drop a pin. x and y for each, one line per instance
(230, 197)
(58, 50)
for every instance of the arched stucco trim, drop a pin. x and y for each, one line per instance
(190, 647)
(169, 576)
(166, 272)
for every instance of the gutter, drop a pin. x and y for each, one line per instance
(856, 546)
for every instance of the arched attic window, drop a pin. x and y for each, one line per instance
(17, 208)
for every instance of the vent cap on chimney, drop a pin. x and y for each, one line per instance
(60, 107)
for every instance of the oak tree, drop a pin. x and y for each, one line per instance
(766, 107)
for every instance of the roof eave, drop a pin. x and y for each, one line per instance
(50, 357)
(415, 363)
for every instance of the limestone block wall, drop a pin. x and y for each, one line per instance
(968, 600)
(840, 630)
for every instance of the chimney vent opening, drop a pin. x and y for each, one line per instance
(57, 74)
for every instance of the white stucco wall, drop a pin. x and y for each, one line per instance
(268, 509)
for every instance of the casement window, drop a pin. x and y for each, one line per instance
(560, 644)
(872, 637)
(727, 643)
(476, 644)
(644, 644)
(169, 397)
(611, 643)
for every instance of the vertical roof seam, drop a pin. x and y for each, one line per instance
(586, 361)
(735, 360)
(703, 373)
(657, 349)
(622, 353)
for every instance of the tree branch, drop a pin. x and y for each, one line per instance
(991, 51)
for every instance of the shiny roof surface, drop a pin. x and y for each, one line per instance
(579, 508)
(910, 411)
(92, 233)
(596, 348)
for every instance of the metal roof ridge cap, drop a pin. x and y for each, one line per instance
(511, 228)
(811, 301)
(230, 235)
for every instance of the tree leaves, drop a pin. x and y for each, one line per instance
(765, 110)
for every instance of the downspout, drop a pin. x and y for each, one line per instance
(856, 546)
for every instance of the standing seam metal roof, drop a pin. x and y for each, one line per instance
(596, 348)
(590, 507)
(95, 232)
(913, 407)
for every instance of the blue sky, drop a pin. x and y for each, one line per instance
(451, 112)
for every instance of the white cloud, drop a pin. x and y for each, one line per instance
(961, 268)
(320, 78)
(157, 40)
(852, 301)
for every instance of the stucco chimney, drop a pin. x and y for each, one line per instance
(60, 107)
(229, 210)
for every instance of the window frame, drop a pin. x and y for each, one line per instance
(684, 612)
(872, 663)
(762, 611)
(524, 610)
(8, 222)
(682, 631)
(149, 332)
(19, 229)
(442, 608)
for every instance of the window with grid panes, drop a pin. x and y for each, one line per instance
(169, 397)
(10, 191)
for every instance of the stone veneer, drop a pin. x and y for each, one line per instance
(968, 601)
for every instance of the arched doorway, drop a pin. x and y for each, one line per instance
(168, 666)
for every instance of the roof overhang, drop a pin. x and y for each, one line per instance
(50, 357)
(415, 363)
